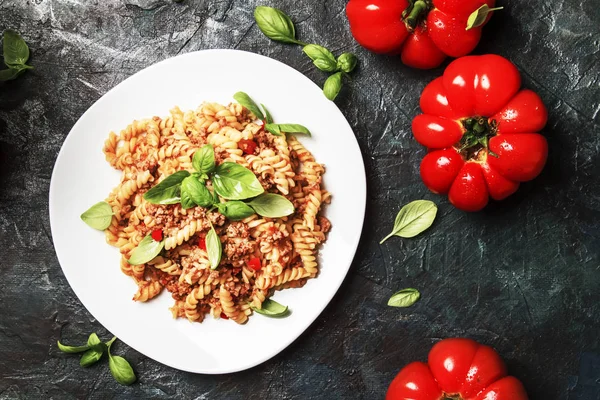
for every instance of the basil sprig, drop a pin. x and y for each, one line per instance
(413, 218)
(235, 210)
(168, 191)
(16, 55)
(235, 182)
(280, 129)
(214, 249)
(146, 251)
(404, 298)
(272, 309)
(247, 102)
(92, 353)
(276, 25)
(98, 216)
(194, 192)
(204, 160)
(272, 205)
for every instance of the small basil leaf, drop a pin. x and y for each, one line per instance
(332, 86)
(193, 192)
(322, 58)
(91, 357)
(247, 102)
(235, 210)
(278, 129)
(268, 116)
(146, 251)
(413, 218)
(275, 24)
(235, 182)
(214, 248)
(167, 191)
(93, 340)
(479, 16)
(204, 159)
(10, 73)
(16, 51)
(347, 62)
(273, 309)
(404, 298)
(98, 216)
(121, 370)
(272, 205)
(71, 349)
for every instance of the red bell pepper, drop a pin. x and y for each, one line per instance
(457, 369)
(424, 32)
(480, 130)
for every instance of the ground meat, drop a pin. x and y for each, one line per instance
(216, 218)
(324, 224)
(237, 248)
(237, 229)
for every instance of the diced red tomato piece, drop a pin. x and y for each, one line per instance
(255, 264)
(157, 235)
(247, 146)
(224, 316)
(202, 243)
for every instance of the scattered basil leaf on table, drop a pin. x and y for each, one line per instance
(347, 62)
(146, 251)
(322, 58)
(194, 192)
(204, 159)
(280, 129)
(272, 205)
(273, 309)
(120, 368)
(235, 210)
(91, 357)
(413, 218)
(168, 190)
(10, 73)
(268, 117)
(247, 102)
(98, 216)
(16, 54)
(332, 86)
(404, 298)
(479, 16)
(235, 182)
(214, 248)
(71, 349)
(275, 24)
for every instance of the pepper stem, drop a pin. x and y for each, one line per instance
(417, 9)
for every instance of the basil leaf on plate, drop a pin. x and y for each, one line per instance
(204, 159)
(214, 248)
(273, 309)
(168, 190)
(275, 24)
(146, 251)
(280, 129)
(272, 205)
(193, 192)
(404, 298)
(235, 210)
(98, 216)
(413, 218)
(268, 117)
(332, 86)
(247, 102)
(235, 182)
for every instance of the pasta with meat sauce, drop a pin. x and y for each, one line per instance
(259, 254)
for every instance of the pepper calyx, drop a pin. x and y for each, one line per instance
(415, 12)
(475, 142)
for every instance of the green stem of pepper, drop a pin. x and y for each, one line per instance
(412, 19)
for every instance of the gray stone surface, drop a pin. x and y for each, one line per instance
(522, 276)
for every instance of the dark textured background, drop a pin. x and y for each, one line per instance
(522, 276)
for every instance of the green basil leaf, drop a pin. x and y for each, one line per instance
(204, 159)
(235, 182)
(322, 58)
(93, 340)
(404, 298)
(10, 73)
(479, 16)
(121, 370)
(98, 216)
(193, 192)
(146, 251)
(273, 309)
(247, 102)
(16, 51)
(91, 357)
(413, 219)
(272, 205)
(235, 210)
(168, 190)
(332, 86)
(268, 116)
(275, 24)
(347, 62)
(214, 249)
(279, 129)
(71, 349)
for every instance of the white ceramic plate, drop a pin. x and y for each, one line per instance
(82, 177)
